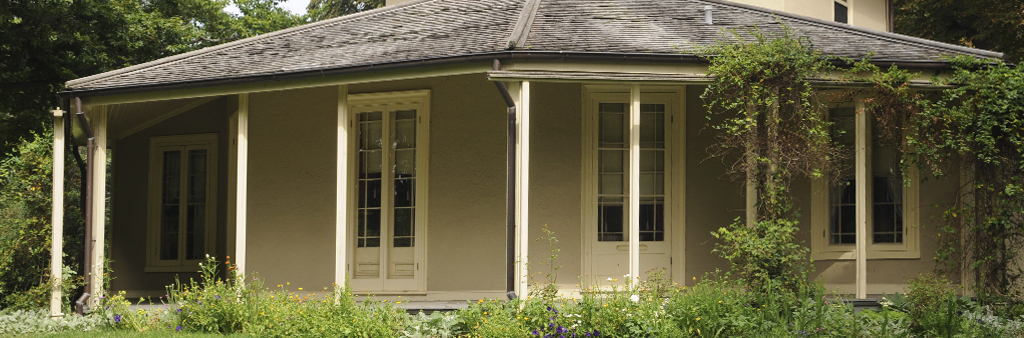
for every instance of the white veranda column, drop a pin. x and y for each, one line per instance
(634, 183)
(241, 180)
(863, 191)
(523, 189)
(98, 170)
(341, 213)
(57, 247)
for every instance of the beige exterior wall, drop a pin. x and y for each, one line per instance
(129, 196)
(713, 199)
(292, 151)
(862, 13)
(555, 192)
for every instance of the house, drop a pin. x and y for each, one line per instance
(372, 150)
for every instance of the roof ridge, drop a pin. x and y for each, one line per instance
(894, 37)
(229, 45)
(521, 30)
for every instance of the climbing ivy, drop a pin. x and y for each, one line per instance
(979, 121)
(769, 123)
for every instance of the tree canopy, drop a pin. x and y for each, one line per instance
(48, 42)
(987, 24)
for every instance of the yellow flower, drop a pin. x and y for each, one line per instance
(698, 319)
(300, 289)
(719, 302)
(290, 283)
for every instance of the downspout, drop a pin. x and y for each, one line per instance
(510, 190)
(89, 186)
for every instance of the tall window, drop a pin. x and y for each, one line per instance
(613, 161)
(182, 194)
(887, 196)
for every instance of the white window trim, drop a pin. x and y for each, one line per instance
(153, 263)
(821, 249)
(675, 189)
(356, 104)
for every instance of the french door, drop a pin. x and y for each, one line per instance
(607, 173)
(388, 202)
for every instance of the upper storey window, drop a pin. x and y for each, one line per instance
(842, 11)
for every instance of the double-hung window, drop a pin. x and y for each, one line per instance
(891, 205)
(182, 201)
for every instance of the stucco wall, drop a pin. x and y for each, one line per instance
(292, 147)
(129, 195)
(555, 164)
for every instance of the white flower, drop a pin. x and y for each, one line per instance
(627, 275)
(634, 298)
(609, 279)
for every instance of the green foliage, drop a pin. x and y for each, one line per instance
(436, 325)
(766, 252)
(980, 122)
(775, 131)
(26, 227)
(22, 322)
(986, 24)
(547, 289)
(326, 9)
(46, 43)
(238, 305)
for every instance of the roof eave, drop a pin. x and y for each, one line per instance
(441, 61)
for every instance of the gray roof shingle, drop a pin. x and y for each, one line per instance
(433, 29)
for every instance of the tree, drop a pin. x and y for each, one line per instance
(48, 42)
(987, 24)
(326, 9)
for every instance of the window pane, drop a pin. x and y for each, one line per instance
(195, 225)
(405, 129)
(405, 163)
(610, 221)
(887, 189)
(611, 125)
(652, 220)
(843, 194)
(170, 205)
(405, 192)
(405, 219)
(841, 13)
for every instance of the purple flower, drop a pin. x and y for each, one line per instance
(117, 318)
(217, 297)
(178, 311)
(561, 329)
(536, 333)
(178, 328)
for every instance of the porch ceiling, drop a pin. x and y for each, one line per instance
(127, 118)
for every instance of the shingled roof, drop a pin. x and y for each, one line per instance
(425, 30)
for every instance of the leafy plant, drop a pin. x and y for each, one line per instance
(770, 124)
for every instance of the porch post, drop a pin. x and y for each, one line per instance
(57, 248)
(634, 183)
(341, 190)
(241, 179)
(523, 190)
(863, 191)
(98, 171)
